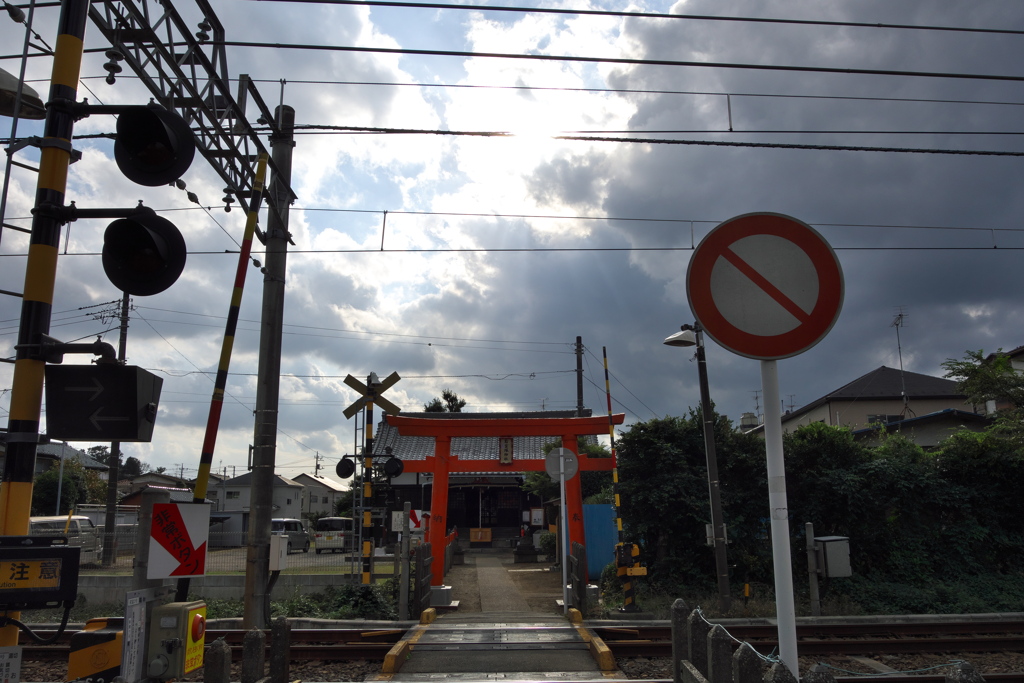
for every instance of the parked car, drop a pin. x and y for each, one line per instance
(80, 531)
(295, 530)
(334, 533)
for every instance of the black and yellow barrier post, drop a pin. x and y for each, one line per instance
(627, 555)
(40, 278)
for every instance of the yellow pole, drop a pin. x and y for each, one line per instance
(40, 276)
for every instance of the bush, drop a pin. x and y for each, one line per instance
(548, 543)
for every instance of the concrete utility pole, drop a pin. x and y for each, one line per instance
(579, 376)
(257, 567)
(114, 460)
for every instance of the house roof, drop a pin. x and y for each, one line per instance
(886, 383)
(321, 481)
(470, 447)
(246, 480)
(951, 415)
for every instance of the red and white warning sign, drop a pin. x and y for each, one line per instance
(177, 540)
(765, 286)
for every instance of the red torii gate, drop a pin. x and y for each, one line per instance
(444, 462)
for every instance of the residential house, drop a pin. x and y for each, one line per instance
(319, 494)
(234, 505)
(880, 397)
(51, 453)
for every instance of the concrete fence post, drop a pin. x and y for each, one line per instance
(964, 672)
(819, 674)
(697, 642)
(679, 651)
(719, 655)
(254, 645)
(280, 650)
(779, 673)
(747, 665)
(217, 662)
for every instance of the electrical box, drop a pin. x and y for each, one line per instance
(833, 556)
(177, 636)
(278, 552)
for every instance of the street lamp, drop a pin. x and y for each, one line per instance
(693, 335)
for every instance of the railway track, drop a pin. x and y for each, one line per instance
(636, 640)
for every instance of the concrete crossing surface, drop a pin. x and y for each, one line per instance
(505, 641)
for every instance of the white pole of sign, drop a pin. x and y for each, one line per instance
(784, 606)
(565, 532)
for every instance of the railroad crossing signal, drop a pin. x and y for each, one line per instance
(371, 393)
(103, 402)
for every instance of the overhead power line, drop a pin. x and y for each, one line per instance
(620, 60)
(654, 15)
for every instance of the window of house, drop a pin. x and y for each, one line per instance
(883, 419)
(287, 501)
(234, 494)
(325, 499)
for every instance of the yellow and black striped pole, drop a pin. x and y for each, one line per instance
(368, 486)
(40, 278)
(626, 554)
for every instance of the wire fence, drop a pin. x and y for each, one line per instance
(226, 554)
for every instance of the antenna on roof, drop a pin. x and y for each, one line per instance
(899, 321)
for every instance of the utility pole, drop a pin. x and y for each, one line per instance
(257, 567)
(579, 376)
(114, 459)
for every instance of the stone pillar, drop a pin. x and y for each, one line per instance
(819, 674)
(747, 665)
(779, 673)
(217, 662)
(254, 645)
(280, 650)
(697, 642)
(719, 649)
(679, 651)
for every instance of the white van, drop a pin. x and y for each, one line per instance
(334, 533)
(81, 533)
(294, 530)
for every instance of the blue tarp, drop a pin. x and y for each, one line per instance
(601, 536)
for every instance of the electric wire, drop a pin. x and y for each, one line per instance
(791, 68)
(637, 91)
(653, 15)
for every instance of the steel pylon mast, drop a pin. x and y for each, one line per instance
(185, 69)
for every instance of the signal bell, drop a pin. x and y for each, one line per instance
(393, 467)
(346, 468)
(154, 146)
(144, 254)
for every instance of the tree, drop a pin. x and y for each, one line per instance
(992, 378)
(663, 490)
(132, 467)
(78, 485)
(449, 402)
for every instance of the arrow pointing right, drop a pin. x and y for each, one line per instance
(96, 389)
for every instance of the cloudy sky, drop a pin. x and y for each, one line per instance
(498, 252)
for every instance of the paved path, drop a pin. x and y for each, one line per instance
(498, 593)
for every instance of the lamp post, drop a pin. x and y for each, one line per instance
(693, 335)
